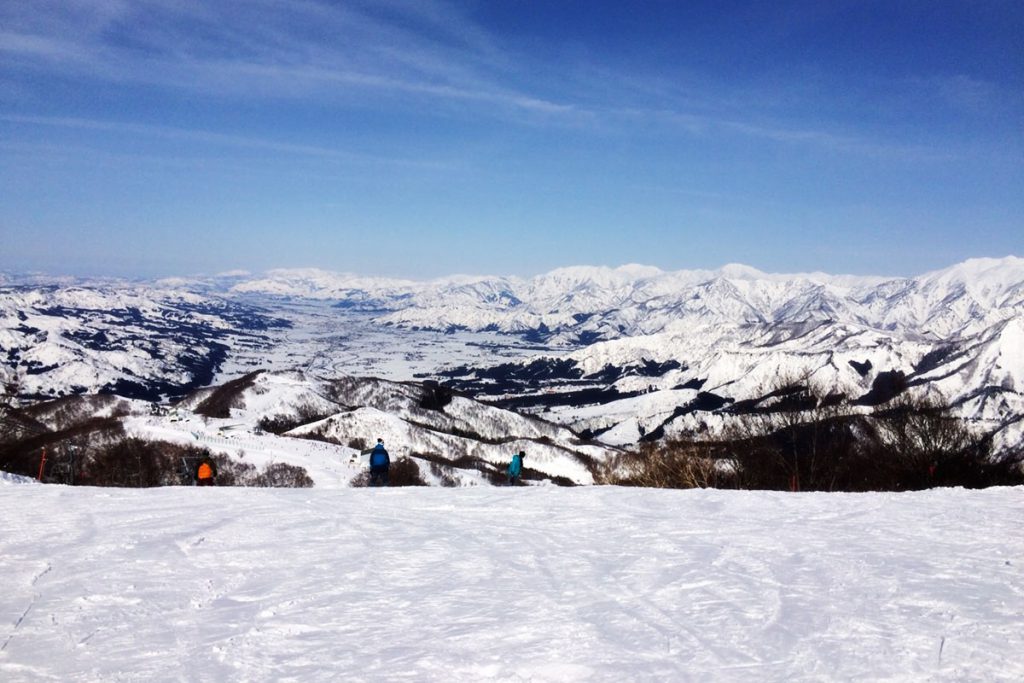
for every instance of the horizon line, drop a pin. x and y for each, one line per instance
(741, 271)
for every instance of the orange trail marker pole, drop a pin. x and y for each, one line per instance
(42, 464)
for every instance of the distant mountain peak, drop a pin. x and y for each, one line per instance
(740, 271)
(638, 270)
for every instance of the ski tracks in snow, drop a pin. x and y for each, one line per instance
(509, 584)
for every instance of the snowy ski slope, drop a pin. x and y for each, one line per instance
(532, 584)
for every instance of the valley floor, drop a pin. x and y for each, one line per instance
(539, 584)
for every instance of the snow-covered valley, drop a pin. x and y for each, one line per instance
(492, 584)
(618, 353)
(607, 357)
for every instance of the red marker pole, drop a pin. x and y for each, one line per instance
(42, 464)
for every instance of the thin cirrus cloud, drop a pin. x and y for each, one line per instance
(316, 52)
(214, 138)
(291, 52)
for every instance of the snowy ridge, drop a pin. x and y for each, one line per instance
(982, 375)
(345, 410)
(641, 300)
(134, 340)
(321, 284)
(371, 408)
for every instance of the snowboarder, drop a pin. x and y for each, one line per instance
(206, 472)
(515, 468)
(379, 464)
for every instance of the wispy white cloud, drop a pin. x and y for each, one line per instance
(213, 138)
(38, 46)
(334, 54)
(709, 125)
(277, 50)
(841, 143)
(970, 94)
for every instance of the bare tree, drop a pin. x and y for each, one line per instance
(674, 464)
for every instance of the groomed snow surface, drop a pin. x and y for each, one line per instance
(526, 584)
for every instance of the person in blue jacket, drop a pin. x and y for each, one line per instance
(379, 464)
(515, 468)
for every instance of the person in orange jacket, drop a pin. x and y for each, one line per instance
(206, 472)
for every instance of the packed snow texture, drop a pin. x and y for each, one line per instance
(539, 584)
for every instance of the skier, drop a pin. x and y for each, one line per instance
(379, 464)
(206, 471)
(515, 468)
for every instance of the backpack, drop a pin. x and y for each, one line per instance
(379, 457)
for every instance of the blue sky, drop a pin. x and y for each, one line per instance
(417, 139)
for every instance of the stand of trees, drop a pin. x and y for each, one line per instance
(84, 450)
(806, 441)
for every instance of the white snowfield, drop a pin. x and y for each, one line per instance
(500, 584)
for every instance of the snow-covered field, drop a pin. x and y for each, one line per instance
(528, 584)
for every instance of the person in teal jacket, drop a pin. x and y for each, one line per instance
(515, 468)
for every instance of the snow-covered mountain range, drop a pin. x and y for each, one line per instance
(622, 353)
(653, 352)
(585, 304)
